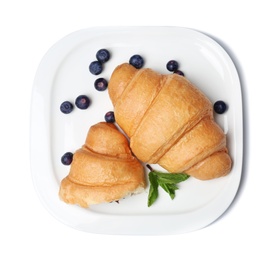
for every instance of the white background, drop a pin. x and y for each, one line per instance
(29, 28)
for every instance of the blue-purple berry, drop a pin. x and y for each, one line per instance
(82, 102)
(66, 107)
(67, 158)
(95, 67)
(172, 65)
(220, 107)
(101, 84)
(137, 61)
(103, 55)
(179, 72)
(109, 117)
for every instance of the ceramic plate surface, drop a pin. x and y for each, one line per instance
(64, 74)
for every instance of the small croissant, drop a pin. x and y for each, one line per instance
(169, 122)
(103, 169)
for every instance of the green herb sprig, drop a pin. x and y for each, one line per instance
(167, 181)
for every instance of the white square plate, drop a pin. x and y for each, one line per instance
(63, 75)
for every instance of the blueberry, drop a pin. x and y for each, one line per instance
(172, 65)
(103, 55)
(219, 107)
(67, 158)
(66, 107)
(109, 117)
(82, 102)
(95, 67)
(136, 61)
(101, 84)
(179, 72)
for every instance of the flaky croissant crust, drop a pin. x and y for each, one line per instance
(169, 121)
(103, 169)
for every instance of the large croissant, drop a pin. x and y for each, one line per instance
(103, 170)
(169, 122)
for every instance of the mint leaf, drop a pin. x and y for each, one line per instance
(169, 188)
(167, 181)
(153, 191)
(173, 177)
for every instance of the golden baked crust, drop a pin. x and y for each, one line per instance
(103, 170)
(168, 120)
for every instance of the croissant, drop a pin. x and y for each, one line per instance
(169, 122)
(103, 169)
